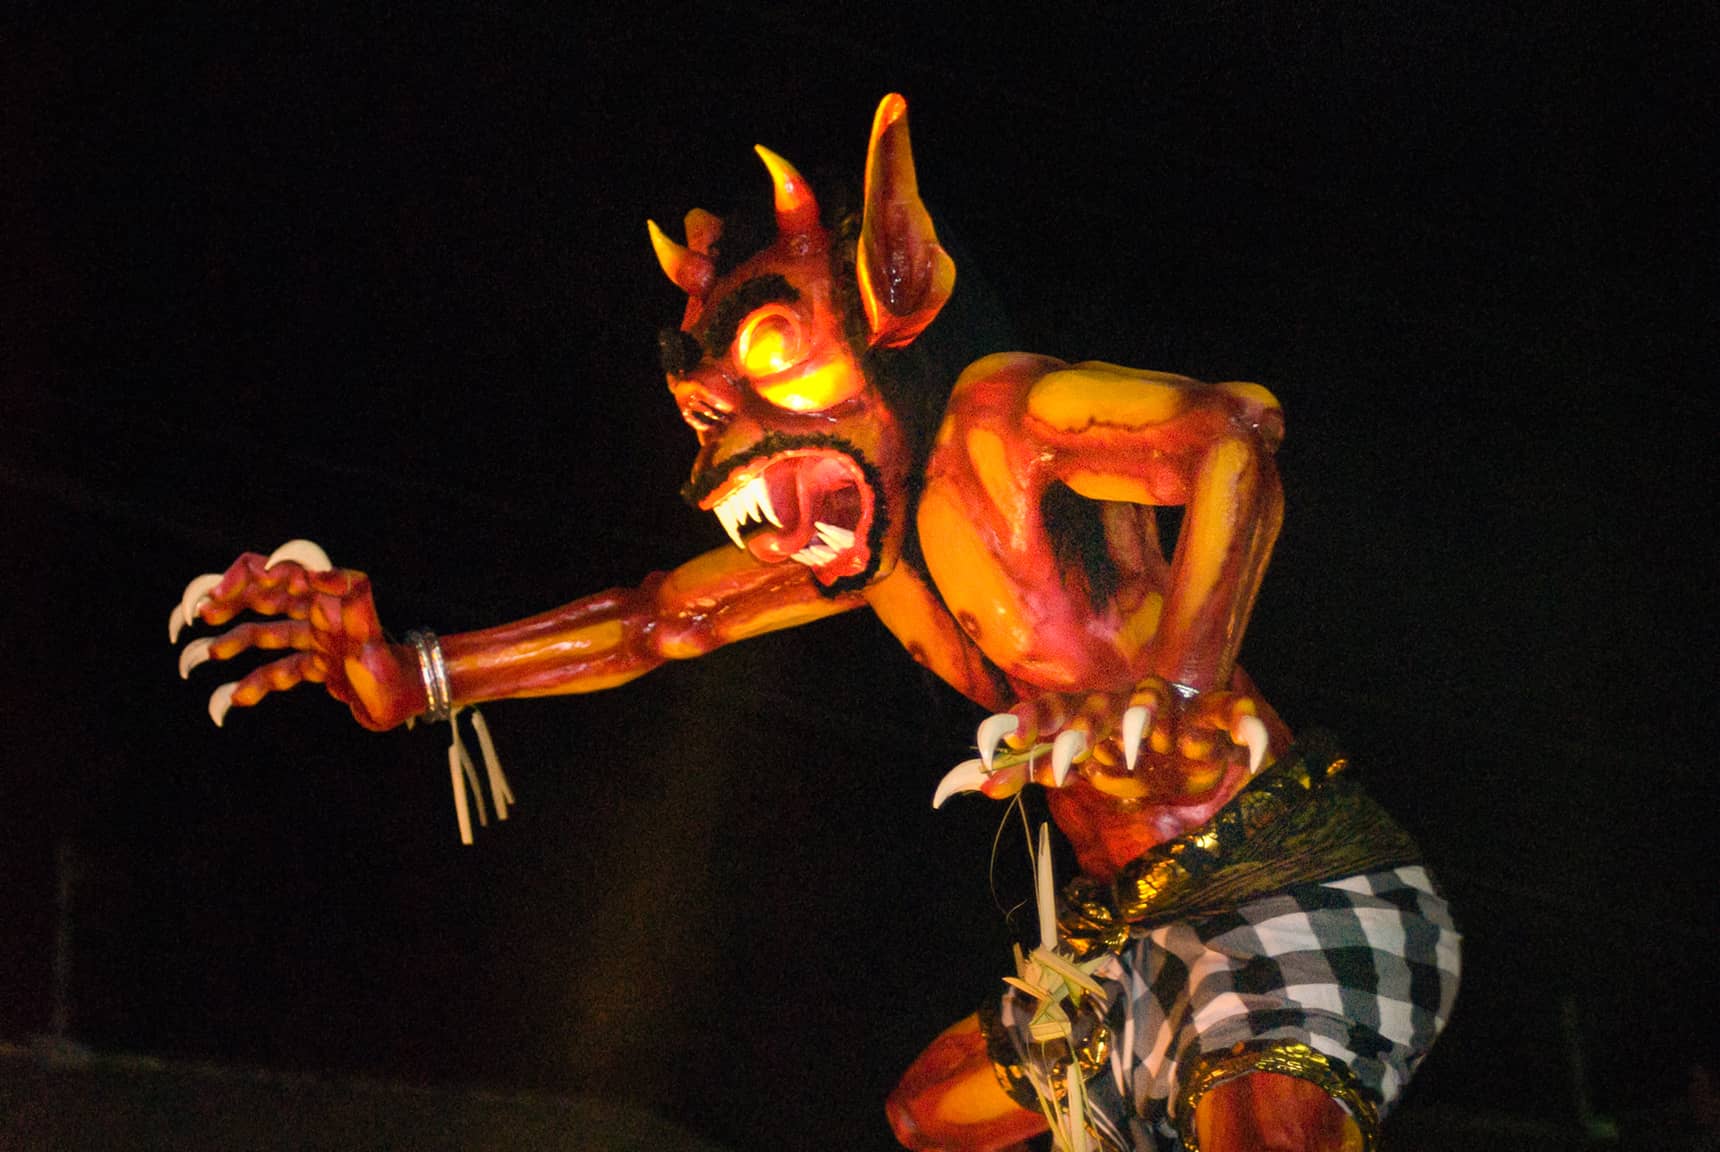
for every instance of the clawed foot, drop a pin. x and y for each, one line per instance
(1155, 742)
(322, 614)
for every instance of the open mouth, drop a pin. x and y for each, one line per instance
(812, 505)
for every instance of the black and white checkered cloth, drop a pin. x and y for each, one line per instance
(1363, 969)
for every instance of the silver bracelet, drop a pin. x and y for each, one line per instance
(434, 670)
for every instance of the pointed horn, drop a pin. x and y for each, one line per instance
(703, 231)
(691, 271)
(796, 208)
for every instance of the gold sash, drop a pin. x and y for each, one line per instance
(1302, 821)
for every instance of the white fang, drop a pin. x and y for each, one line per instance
(814, 555)
(837, 537)
(764, 503)
(727, 516)
(749, 502)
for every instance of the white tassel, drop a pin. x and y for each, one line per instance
(463, 773)
(459, 781)
(471, 768)
(500, 794)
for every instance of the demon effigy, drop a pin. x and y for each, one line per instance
(1253, 955)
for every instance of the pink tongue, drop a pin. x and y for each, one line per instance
(791, 501)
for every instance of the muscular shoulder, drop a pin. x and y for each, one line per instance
(1061, 398)
(1094, 393)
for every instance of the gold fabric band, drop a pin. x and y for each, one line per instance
(1301, 822)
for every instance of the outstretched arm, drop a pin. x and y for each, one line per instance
(608, 639)
(327, 618)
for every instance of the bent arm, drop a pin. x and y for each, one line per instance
(605, 640)
(1120, 435)
(1230, 523)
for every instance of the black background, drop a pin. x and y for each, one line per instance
(378, 276)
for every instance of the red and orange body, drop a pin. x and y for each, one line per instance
(1046, 588)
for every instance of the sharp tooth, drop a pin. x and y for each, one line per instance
(746, 505)
(834, 535)
(764, 503)
(814, 555)
(726, 514)
(759, 497)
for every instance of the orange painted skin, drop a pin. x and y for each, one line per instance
(1016, 426)
(950, 1101)
(803, 459)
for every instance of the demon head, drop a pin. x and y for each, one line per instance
(802, 457)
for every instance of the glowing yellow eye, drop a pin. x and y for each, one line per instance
(819, 388)
(769, 341)
(776, 356)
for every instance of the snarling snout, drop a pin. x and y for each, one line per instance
(815, 503)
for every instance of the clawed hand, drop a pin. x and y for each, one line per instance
(1157, 742)
(324, 614)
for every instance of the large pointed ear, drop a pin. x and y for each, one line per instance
(905, 277)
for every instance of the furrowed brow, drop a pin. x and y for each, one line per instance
(726, 321)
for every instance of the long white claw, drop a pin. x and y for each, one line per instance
(307, 555)
(1250, 732)
(1135, 721)
(220, 700)
(1064, 750)
(195, 653)
(195, 593)
(175, 622)
(967, 776)
(992, 729)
